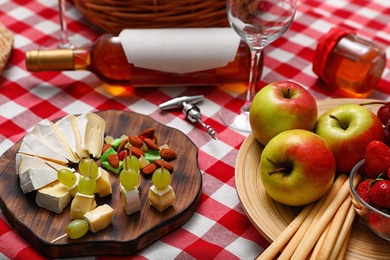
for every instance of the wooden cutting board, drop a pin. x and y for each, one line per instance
(127, 234)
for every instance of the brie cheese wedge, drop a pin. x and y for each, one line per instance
(49, 133)
(91, 128)
(33, 145)
(69, 129)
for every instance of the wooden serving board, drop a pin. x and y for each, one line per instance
(127, 234)
(271, 218)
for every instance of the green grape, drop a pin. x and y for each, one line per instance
(129, 178)
(66, 177)
(161, 178)
(77, 228)
(85, 165)
(132, 162)
(87, 186)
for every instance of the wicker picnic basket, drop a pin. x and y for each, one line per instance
(115, 15)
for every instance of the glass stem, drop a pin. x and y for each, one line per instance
(253, 77)
(64, 41)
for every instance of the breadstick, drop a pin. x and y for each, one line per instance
(311, 237)
(313, 217)
(313, 254)
(334, 230)
(272, 250)
(342, 241)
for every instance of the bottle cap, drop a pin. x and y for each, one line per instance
(49, 60)
(324, 48)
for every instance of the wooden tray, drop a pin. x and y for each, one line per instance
(127, 234)
(271, 218)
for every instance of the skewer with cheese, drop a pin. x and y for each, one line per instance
(161, 199)
(130, 200)
(99, 218)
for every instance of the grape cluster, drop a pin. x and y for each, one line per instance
(383, 114)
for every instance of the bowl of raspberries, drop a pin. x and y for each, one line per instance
(371, 198)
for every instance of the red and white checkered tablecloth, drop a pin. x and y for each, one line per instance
(219, 228)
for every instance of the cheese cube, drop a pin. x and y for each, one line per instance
(99, 218)
(130, 200)
(81, 204)
(161, 199)
(54, 197)
(103, 184)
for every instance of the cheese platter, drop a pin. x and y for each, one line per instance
(127, 234)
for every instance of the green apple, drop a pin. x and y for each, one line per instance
(297, 167)
(281, 106)
(348, 129)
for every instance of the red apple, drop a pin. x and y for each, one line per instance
(348, 129)
(297, 167)
(281, 106)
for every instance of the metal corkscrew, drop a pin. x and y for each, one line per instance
(190, 110)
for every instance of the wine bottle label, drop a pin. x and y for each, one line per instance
(180, 50)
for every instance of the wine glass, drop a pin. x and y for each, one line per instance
(64, 39)
(258, 23)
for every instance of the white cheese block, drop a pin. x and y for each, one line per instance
(99, 218)
(70, 131)
(54, 197)
(103, 184)
(33, 145)
(81, 204)
(130, 200)
(34, 173)
(49, 133)
(92, 128)
(161, 199)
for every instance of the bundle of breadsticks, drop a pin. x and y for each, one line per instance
(321, 230)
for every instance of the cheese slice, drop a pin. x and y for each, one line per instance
(34, 173)
(81, 204)
(103, 184)
(130, 200)
(69, 129)
(161, 199)
(33, 145)
(92, 128)
(99, 218)
(25, 162)
(54, 197)
(48, 132)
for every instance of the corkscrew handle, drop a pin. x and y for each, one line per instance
(189, 109)
(193, 114)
